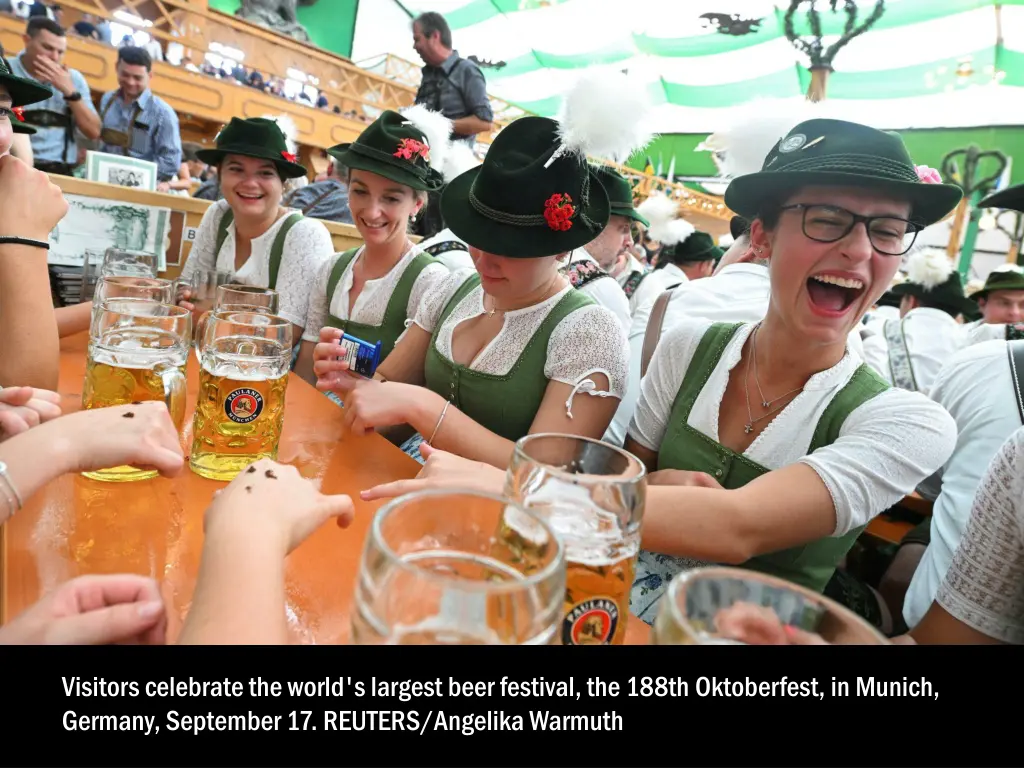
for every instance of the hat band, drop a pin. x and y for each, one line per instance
(515, 219)
(895, 170)
(387, 157)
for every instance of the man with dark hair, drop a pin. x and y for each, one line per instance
(54, 148)
(327, 199)
(137, 122)
(451, 85)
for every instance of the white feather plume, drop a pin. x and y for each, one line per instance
(673, 232)
(929, 267)
(1008, 267)
(460, 158)
(658, 209)
(436, 127)
(289, 129)
(605, 114)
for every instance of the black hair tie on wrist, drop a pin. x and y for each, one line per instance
(4, 239)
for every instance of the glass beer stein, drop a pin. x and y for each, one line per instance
(138, 350)
(239, 298)
(120, 262)
(245, 359)
(593, 495)
(432, 573)
(693, 604)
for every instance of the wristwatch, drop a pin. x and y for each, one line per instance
(73, 96)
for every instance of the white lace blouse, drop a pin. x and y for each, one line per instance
(886, 446)
(306, 247)
(984, 586)
(372, 302)
(588, 341)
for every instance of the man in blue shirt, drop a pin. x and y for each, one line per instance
(138, 123)
(54, 149)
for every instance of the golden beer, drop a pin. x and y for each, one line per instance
(592, 494)
(237, 422)
(138, 352)
(245, 359)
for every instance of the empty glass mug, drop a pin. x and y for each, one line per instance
(593, 495)
(120, 262)
(433, 573)
(138, 350)
(245, 358)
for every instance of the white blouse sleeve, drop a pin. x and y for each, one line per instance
(426, 283)
(433, 303)
(984, 586)
(658, 389)
(588, 341)
(886, 447)
(307, 246)
(202, 255)
(316, 315)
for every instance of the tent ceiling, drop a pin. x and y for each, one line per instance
(926, 63)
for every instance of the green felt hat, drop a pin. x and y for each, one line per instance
(22, 90)
(19, 127)
(394, 148)
(620, 194)
(697, 247)
(1011, 197)
(1007, 279)
(529, 198)
(840, 154)
(947, 294)
(738, 226)
(257, 137)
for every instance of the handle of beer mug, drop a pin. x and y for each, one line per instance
(174, 392)
(197, 337)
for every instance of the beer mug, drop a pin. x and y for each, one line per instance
(693, 604)
(593, 495)
(236, 297)
(153, 288)
(203, 284)
(432, 573)
(138, 350)
(245, 359)
(119, 262)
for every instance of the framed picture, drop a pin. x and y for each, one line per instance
(120, 170)
(95, 224)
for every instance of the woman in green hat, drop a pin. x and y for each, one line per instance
(771, 444)
(249, 233)
(372, 291)
(507, 348)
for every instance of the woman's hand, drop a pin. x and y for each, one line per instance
(22, 408)
(682, 477)
(141, 435)
(273, 499)
(759, 625)
(442, 470)
(330, 366)
(93, 610)
(375, 405)
(33, 205)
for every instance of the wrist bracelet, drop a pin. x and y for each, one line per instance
(439, 420)
(13, 497)
(4, 239)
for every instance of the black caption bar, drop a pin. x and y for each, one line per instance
(712, 705)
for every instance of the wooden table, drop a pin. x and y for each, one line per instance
(77, 526)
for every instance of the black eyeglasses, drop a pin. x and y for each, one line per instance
(828, 223)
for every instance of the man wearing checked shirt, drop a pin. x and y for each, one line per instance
(138, 123)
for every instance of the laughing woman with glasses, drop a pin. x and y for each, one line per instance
(771, 444)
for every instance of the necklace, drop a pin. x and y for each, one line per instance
(765, 403)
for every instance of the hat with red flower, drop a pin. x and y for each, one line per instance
(536, 192)
(257, 137)
(406, 149)
(22, 90)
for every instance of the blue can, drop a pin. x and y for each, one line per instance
(362, 356)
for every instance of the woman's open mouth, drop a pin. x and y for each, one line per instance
(832, 295)
(368, 225)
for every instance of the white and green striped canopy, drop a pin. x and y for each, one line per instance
(924, 64)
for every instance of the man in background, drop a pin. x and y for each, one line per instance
(138, 123)
(326, 199)
(54, 147)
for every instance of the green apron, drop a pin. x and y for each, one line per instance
(506, 405)
(686, 448)
(276, 250)
(395, 315)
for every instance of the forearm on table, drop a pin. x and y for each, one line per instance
(33, 459)
(240, 596)
(29, 345)
(73, 319)
(457, 433)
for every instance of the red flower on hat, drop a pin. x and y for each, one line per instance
(289, 157)
(558, 212)
(19, 112)
(409, 149)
